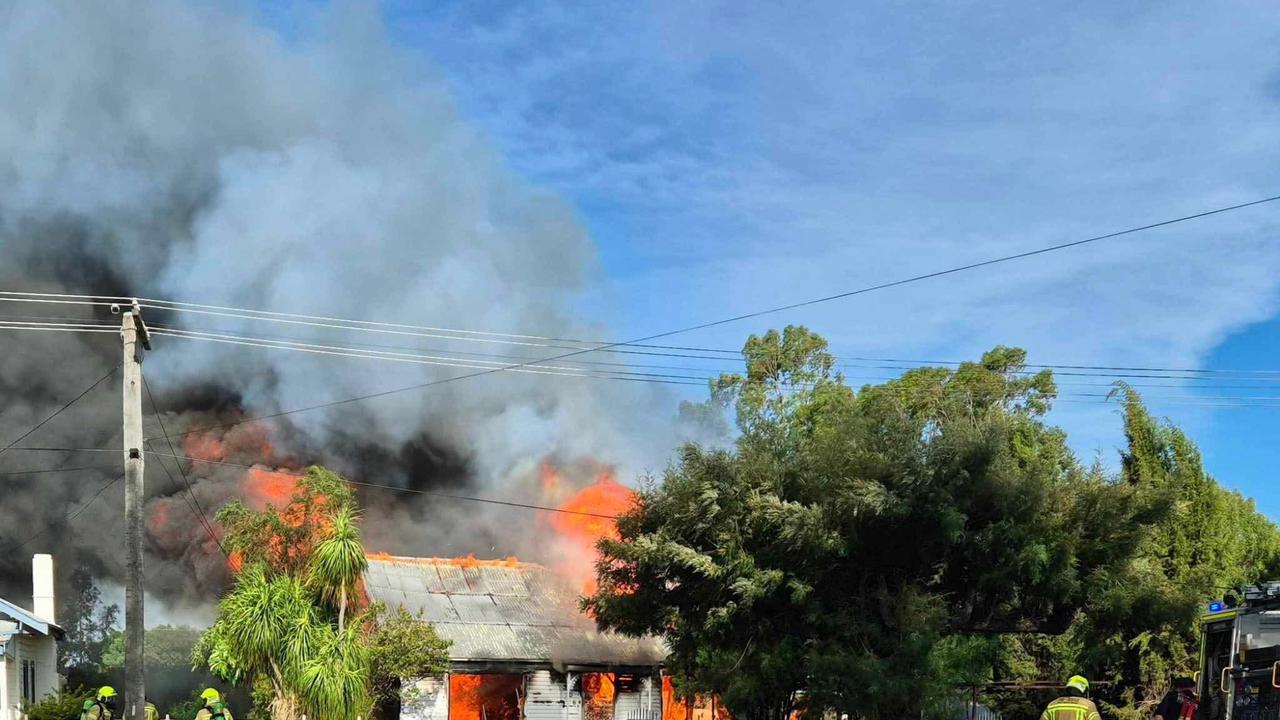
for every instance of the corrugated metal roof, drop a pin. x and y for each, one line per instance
(502, 612)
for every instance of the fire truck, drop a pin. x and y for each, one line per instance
(1239, 677)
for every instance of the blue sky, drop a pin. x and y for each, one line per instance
(726, 157)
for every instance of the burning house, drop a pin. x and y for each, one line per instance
(521, 648)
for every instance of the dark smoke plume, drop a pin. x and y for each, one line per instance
(177, 150)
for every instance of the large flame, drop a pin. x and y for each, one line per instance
(263, 487)
(598, 693)
(485, 697)
(584, 519)
(674, 707)
(698, 707)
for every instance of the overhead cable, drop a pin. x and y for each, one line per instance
(760, 313)
(59, 411)
(192, 501)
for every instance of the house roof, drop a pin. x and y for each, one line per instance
(503, 612)
(28, 620)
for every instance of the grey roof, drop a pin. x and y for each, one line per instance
(502, 611)
(28, 619)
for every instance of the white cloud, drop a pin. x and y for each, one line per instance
(734, 157)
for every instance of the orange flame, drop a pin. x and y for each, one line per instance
(674, 707)
(698, 707)
(485, 697)
(205, 446)
(599, 692)
(584, 520)
(265, 487)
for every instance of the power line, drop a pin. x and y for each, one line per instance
(702, 380)
(1055, 367)
(895, 283)
(721, 354)
(69, 517)
(45, 471)
(1268, 376)
(294, 473)
(736, 318)
(192, 501)
(59, 411)
(430, 493)
(419, 359)
(58, 327)
(483, 500)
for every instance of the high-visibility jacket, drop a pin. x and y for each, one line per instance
(219, 712)
(1071, 708)
(95, 710)
(150, 712)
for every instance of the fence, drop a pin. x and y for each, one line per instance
(965, 709)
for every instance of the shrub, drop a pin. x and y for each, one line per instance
(62, 706)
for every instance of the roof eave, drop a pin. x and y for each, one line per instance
(28, 620)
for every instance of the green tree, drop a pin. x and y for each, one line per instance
(821, 561)
(166, 646)
(403, 646)
(89, 624)
(284, 624)
(1140, 632)
(338, 561)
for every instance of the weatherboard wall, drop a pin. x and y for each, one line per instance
(646, 704)
(425, 699)
(546, 699)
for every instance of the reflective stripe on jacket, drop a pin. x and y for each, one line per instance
(1071, 708)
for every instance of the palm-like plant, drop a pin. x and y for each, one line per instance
(302, 566)
(337, 562)
(334, 680)
(257, 629)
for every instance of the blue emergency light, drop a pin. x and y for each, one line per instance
(1215, 606)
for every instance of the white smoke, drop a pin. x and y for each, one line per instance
(181, 150)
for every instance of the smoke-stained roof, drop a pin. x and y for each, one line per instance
(503, 612)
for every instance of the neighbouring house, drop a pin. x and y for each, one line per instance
(521, 648)
(29, 645)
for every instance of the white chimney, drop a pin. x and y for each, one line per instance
(42, 588)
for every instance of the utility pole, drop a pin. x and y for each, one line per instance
(133, 333)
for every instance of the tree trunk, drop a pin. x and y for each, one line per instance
(342, 609)
(284, 706)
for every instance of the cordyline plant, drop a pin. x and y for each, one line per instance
(294, 621)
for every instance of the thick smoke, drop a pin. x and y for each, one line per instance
(172, 150)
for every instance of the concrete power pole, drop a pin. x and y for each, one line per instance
(134, 334)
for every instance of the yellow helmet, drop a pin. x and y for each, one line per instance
(1078, 682)
(106, 691)
(210, 696)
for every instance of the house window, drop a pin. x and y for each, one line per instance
(29, 680)
(629, 683)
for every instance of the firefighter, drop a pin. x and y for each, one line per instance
(213, 708)
(150, 712)
(1074, 703)
(101, 707)
(1180, 703)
